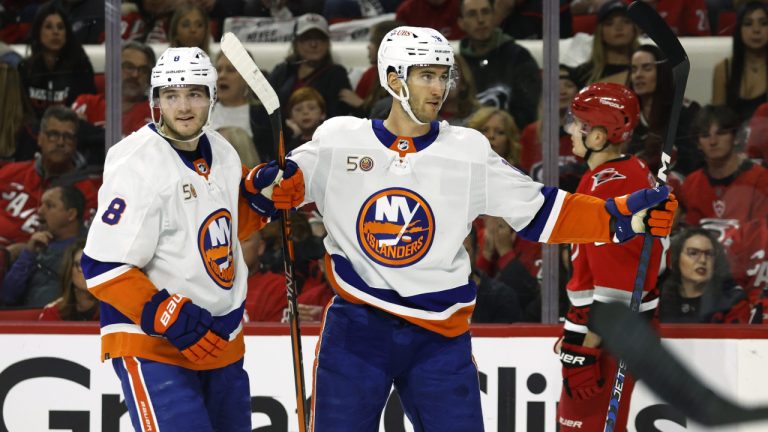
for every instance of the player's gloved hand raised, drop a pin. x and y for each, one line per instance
(582, 378)
(644, 211)
(269, 189)
(187, 326)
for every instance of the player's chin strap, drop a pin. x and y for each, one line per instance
(405, 102)
(589, 151)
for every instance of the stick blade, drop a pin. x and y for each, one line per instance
(246, 67)
(629, 337)
(657, 29)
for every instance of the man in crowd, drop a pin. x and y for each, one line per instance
(506, 74)
(22, 183)
(33, 279)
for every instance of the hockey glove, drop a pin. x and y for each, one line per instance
(268, 188)
(644, 211)
(187, 326)
(581, 371)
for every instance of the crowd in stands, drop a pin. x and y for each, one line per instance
(53, 109)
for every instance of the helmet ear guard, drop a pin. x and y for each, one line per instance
(182, 67)
(405, 47)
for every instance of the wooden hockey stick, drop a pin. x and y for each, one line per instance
(654, 26)
(246, 67)
(629, 336)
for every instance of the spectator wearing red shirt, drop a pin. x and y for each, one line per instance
(684, 17)
(137, 60)
(22, 183)
(570, 167)
(729, 186)
(757, 143)
(441, 15)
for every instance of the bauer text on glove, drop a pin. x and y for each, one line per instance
(187, 326)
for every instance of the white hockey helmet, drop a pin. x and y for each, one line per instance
(405, 47)
(182, 67)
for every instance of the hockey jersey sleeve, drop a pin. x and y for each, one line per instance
(122, 239)
(542, 213)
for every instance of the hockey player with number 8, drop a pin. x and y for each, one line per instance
(603, 116)
(398, 197)
(163, 256)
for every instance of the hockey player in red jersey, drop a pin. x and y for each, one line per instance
(604, 115)
(398, 198)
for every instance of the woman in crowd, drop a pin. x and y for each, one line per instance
(614, 42)
(16, 118)
(57, 70)
(698, 287)
(741, 80)
(76, 302)
(500, 129)
(310, 65)
(190, 28)
(651, 79)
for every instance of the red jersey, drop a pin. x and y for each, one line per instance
(747, 247)
(606, 272)
(443, 18)
(742, 196)
(531, 146)
(266, 300)
(22, 187)
(94, 107)
(685, 17)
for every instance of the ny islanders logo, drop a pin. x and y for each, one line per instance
(395, 227)
(214, 240)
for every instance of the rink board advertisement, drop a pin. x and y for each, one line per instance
(54, 382)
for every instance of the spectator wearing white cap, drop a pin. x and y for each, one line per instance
(309, 64)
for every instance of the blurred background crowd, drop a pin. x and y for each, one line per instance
(53, 109)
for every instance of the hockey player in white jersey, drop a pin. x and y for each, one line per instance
(164, 259)
(398, 198)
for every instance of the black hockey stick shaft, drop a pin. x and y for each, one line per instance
(290, 282)
(629, 336)
(654, 26)
(247, 68)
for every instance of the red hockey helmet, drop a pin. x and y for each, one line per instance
(609, 105)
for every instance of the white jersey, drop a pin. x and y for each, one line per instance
(397, 210)
(173, 221)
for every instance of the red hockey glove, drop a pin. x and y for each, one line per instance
(581, 371)
(646, 210)
(187, 326)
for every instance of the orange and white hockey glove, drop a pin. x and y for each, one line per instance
(187, 326)
(644, 211)
(268, 188)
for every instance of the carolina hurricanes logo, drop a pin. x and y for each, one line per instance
(605, 176)
(395, 227)
(719, 207)
(214, 240)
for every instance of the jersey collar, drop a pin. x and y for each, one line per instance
(403, 144)
(202, 164)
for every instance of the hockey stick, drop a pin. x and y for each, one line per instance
(245, 66)
(654, 26)
(628, 335)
